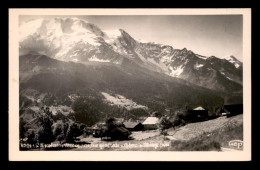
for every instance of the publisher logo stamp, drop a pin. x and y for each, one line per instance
(236, 144)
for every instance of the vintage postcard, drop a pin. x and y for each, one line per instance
(129, 84)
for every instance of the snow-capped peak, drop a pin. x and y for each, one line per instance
(29, 28)
(58, 26)
(59, 37)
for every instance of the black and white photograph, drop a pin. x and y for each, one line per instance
(142, 83)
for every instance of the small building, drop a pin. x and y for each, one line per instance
(151, 123)
(197, 114)
(233, 109)
(133, 126)
(119, 133)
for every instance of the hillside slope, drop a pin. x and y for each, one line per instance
(152, 89)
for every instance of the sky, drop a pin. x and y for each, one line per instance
(208, 35)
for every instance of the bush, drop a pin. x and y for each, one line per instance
(178, 119)
(165, 123)
(113, 130)
(73, 132)
(22, 128)
(45, 134)
(32, 139)
(58, 132)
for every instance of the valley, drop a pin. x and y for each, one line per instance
(75, 78)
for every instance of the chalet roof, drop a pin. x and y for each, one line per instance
(131, 124)
(151, 120)
(199, 108)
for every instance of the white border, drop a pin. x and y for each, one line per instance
(16, 155)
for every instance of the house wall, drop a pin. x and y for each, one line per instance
(138, 127)
(150, 126)
(196, 115)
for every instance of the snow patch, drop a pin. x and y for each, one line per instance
(176, 72)
(197, 66)
(232, 60)
(167, 58)
(236, 65)
(113, 34)
(29, 28)
(229, 58)
(94, 58)
(225, 75)
(202, 57)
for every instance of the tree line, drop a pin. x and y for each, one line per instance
(47, 130)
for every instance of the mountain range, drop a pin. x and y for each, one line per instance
(64, 56)
(72, 39)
